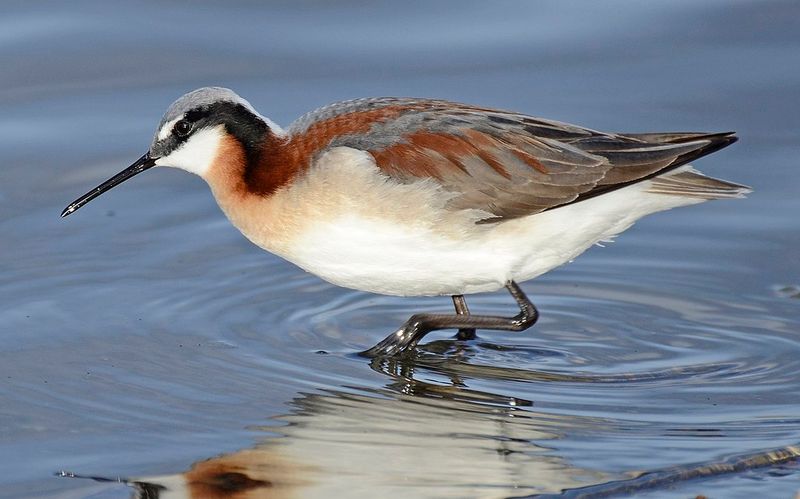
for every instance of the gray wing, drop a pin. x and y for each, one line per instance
(504, 163)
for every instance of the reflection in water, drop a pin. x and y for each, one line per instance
(402, 372)
(458, 366)
(354, 445)
(671, 476)
(527, 415)
(420, 438)
(433, 444)
(147, 333)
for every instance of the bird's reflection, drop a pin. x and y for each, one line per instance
(353, 445)
(411, 438)
(455, 360)
(402, 372)
(419, 438)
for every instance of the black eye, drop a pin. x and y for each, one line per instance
(182, 128)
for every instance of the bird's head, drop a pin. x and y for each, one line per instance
(192, 136)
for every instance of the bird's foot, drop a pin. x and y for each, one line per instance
(401, 341)
(415, 328)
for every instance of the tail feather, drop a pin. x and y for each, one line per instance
(646, 156)
(691, 183)
(681, 180)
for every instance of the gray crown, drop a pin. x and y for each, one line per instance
(198, 98)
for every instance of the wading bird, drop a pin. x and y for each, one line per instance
(419, 197)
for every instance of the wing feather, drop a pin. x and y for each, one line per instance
(506, 164)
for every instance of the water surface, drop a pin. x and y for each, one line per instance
(144, 338)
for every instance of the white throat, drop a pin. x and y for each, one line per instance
(196, 154)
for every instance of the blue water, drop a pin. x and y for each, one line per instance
(144, 338)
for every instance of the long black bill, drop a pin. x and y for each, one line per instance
(141, 164)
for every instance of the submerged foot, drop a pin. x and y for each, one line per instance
(419, 325)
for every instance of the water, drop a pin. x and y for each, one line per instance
(144, 338)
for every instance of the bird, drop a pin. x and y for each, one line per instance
(425, 197)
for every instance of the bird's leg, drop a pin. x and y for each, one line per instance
(461, 309)
(419, 325)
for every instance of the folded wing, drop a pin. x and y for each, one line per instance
(506, 164)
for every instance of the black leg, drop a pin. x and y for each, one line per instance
(460, 303)
(419, 325)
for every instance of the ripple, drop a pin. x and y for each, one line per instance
(145, 335)
(250, 313)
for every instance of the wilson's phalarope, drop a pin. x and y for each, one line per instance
(417, 197)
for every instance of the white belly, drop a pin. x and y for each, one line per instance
(375, 255)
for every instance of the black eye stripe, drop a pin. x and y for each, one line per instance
(184, 127)
(195, 115)
(237, 119)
